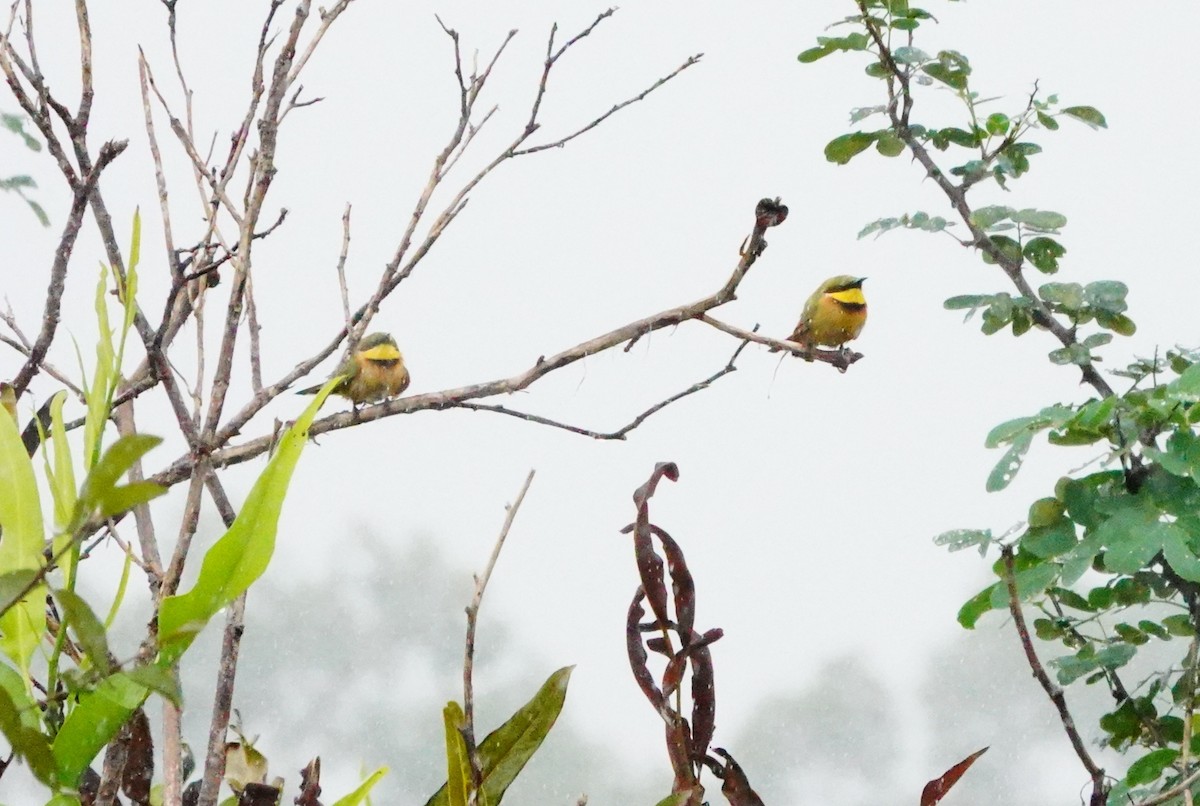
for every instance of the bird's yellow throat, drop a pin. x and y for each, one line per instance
(385, 352)
(849, 296)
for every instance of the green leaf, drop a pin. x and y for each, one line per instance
(1088, 114)
(842, 149)
(951, 77)
(87, 628)
(1115, 656)
(828, 45)
(1006, 469)
(910, 55)
(864, 112)
(1133, 537)
(1118, 323)
(163, 682)
(997, 123)
(813, 54)
(62, 476)
(1066, 297)
(1030, 582)
(1107, 295)
(92, 723)
(506, 750)
(889, 145)
(1185, 388)
(967, 301)
(97, 492)
(1154, 628)
(1149, 767)
(1072, 667)
(241, 555)
(1070, 598)
(362, 793)
(986, 217)
(1073, 354)
(1009, 249)
(1050, 541)
(22, 624)
(1179, 625)
(1040, 220)
(1044, 253)
(21, 725)
(127, 496)
(976, 606)
(959, 137)
(959, 539)
(458, 765)
(1047, 121)
(1049, 417)
(1178, 552)
(877, 70)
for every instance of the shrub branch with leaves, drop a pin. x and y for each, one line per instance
(1104, 556)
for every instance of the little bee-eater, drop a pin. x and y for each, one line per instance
(374, 371)
(834, 314)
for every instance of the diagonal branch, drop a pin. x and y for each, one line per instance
(58, 270)
(1099, 788)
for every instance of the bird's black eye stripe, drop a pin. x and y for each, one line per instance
(385, 363)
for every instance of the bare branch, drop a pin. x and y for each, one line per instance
(1099, 788)
(58, 270)
(469, 657)
(559, 143)
(623, 431)
(341, 267)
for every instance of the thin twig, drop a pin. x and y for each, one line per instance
(622, 432)
(481, 583)
(341, 268)
(1099, 789)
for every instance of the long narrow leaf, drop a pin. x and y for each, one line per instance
(507, 749)
(92, 724)
(458, 766)
(360, 794)
(22, 624)
(241, 555)
(62, 476)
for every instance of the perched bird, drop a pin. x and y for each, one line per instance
(834, 314)
(374, 371)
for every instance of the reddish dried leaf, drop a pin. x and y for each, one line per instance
(658, 644)
(643, 494)
(673, 674)
(682, 585)
(704, 698)
(936, 790)
(679, 743)
(310, 784)
(736, 787)
(139, 759)
(637, 653)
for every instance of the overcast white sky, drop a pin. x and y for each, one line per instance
(808, 498)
